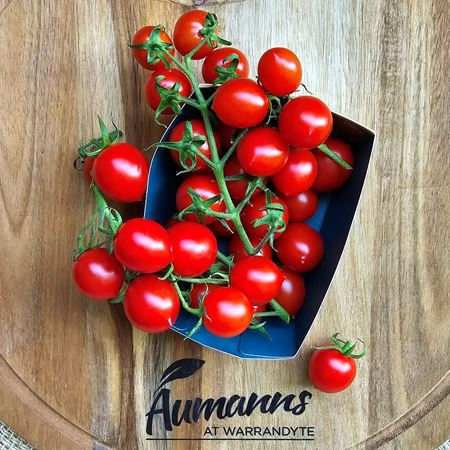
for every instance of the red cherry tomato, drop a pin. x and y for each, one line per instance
(292, 292)
(143, 246)
(257, 210)
(226, 134)
(300, 247)
(279, 71)
(206, 187)
(305, 122)
(220, 230)
(237, 188)
(186, 35)
(120, 172)
(216, 59)
(237, 249)
(98, 274)
(142, 36)
(262, 152)
(258, 278)
(194, 248)
(330, 175)
(172, 76)
(200, 291)
(87, 168)
(198, 129)
(228, 312)
(330, 371)
(240, 103)
(151, 304)
(298, 174)
(302, 206)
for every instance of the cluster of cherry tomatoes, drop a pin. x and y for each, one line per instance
(256, 151)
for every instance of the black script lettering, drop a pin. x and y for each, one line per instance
(233, 399)
(254, 402)
(209, 405)
(164, 410)
(300, 408)
(177, 419)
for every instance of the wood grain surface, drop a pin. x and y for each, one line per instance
(75, 375)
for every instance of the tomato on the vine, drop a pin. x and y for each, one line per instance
(87, 168)
(206, 187)
(258, 278)
(300, 247)
(120, 171)
(142, 36)
(305, 122)
(98, 274)
(228, 312)
(279, 71)
(143, 246)
(332, 369)
(292, 292)
(330, 175)
(302, 206)
(186, 35)
(216, 59)
(298, 174)
(262, 152)
(237, 249)
(240, 103)
(220, 230)
(172, 76)
(199, 291)
(226, 134)
(194, 248)
(198, 129)
(256, 210)
(238, 188)
(151, 304)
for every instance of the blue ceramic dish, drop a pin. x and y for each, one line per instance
(333, 219)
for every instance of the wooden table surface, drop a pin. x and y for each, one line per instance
(75, 375)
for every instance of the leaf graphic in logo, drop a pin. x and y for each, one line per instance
(183, 368)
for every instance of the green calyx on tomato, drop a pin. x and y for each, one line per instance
(209, 31)
(345, 347)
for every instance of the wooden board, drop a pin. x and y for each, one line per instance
(75, 375)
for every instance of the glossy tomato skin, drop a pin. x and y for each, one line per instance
(198, 128)
(204, 185)
(298, 174)
(219, 230)
(237, 249)
(98, 274)
(330, 371)
(237, 188)
(120, 172)
(143, 246)
(240, 103)
(302, 206)
(200, 291)
(258, 278)
(300, 247)
(330, 175)
(87, 169)
(186, 35)
(262, 152)
(226, 134)
(151, 304)
(216, 59)
(228, 312)
(292, 292)
(142, 36)
(305, 122)
(279, 71)
(256, 210)
(194, 248)
(172, 76)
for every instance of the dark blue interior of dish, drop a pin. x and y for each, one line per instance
(333, 219)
